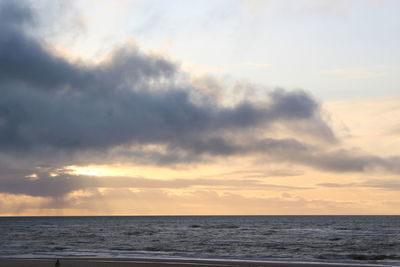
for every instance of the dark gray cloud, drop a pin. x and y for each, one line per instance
(132, 98)
(15, 14)
(44, 185)
(57, 112)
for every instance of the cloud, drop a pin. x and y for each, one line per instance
(122, 201)
(395, 131)
(335, 185)
(15, 15)
(349, 161)
(259, 174)
(59, 184)
(138, 107)
(371, 183)
(51, 104)
(276, 150)
(147, 201)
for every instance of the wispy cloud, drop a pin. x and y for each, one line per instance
(122, 201)
(61, 184)
(372, 183)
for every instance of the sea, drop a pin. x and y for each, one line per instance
(332, 239)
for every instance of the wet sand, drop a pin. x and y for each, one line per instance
(96, 262)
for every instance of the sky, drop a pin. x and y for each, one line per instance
(239, 107)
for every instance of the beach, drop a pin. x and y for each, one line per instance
(106, 262)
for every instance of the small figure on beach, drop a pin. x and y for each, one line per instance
(57, 263)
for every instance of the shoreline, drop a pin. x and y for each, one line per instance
(137, 262)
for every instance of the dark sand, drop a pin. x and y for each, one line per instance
(96, 262)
